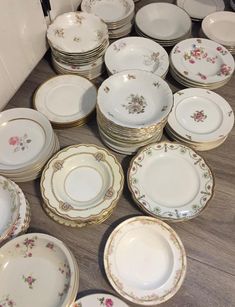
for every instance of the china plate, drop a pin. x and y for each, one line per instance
(200, 115)
(170, 181)
(37, 270)
(202, 60)
(145, 261)
(66, 99)
(81, 182)
(163, 21)
(134, 98)
(218, 27)
(137, 53)
(198, 9)
(99, 300)
(77, 32)
(109, 10)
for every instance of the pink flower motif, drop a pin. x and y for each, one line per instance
(108, 302)
(14, 140)
(191, 61)
(50, 245)
(219, 48)
(196, 52)
(203, 77)
(225, 70)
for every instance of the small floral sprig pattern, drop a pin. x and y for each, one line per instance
(107, 302)
(151, 59)
(59, 32)
(197, 53)
(29, 280)
(20, 143)
(65, 270)
(225, 70)
(199, 116)
(136, 104)
(118, 47)
(7, 302)
(27, 246)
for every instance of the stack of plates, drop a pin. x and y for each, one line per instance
(198, 9)
(14, 210)
(170, 181)
(200, 119)
(78, 42)
(66, 100)
(27, 141)
(164, 23)
(198, 62)
(132, 109)
(44, 271)
(136, 53)
(81, 185)
(145, 261)
(117, 14)
(218, 27)
(98, 300)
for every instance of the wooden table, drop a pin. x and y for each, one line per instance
(209, 239)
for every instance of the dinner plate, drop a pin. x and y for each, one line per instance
(170, 181)
(202, 60)
(198, 9)
(66, 99)
(77, 32)
(134, 99)
(136, 53)
(99, 300)
(163, 21)
(37, 270)
(200, 115)
(145, 261)
(218, 27)
(81, 182)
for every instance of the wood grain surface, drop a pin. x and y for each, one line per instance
(209, 239)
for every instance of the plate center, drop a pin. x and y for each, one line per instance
(83, 183)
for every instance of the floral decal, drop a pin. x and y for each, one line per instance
(118, 47)
(106, 89)
(27, 246)
(76, 39)
(7, 302)
(59, 32)
(202, 76)
(65, 270)
(107, 302)
(151, 59)
(129, 77)
(79, 18)
(199, 116)
(99, 35)
(29, 280)
(50, 245)
(225, 70)
(177, 50)
(221, 50)
(136, 104)
(20, 143)
(198, 53)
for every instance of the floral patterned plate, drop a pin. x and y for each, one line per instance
(37, 270)
(202, 60)
(200, 115)
(145, 261)
(77, 32)
(135, 99)
(170, 181)
(99, 300)
(137, 53)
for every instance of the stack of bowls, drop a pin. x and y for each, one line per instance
(132, 109)
(78, 42)
(117, 14)
(200, 119)
(198, 62)
(164, 23)
(27, 142)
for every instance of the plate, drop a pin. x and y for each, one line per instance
(77, 32)
(202, 60)
(134, 98)
(170, 181)
(66, 99)
(217, 26)
(198, 9)
(81, 182)
(200, 115)
(99, 300)
(136, 53)
(37, 270)
(163, 21)
(145, 261)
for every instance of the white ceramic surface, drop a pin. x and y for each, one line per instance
(99, 300)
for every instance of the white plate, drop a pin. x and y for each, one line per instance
(66, 99)
(109, 10)
(170, 181)
(199, 9)
(145, 261)
(135, 98)
(77, 32)
(37, 270)
(202, 60)
(99, 300)
(163, 21)
(200, 115)
(25, 137)
(220, 27)
(136, 53)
